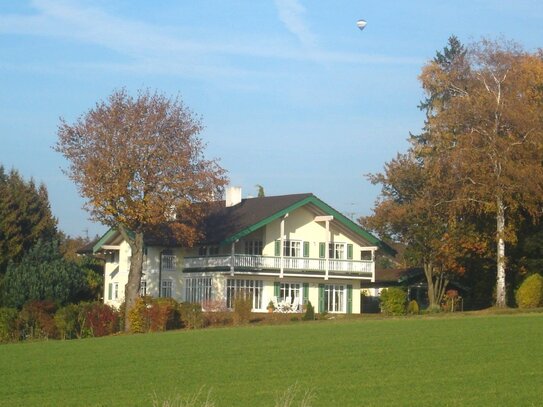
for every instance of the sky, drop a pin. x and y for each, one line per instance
(293, 96)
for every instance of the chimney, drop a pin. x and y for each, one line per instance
(233, 196)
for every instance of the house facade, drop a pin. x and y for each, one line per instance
(287, 249)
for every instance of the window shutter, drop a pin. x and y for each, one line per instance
(306, 249)
(349, 299)
(322, 247)
(277, 248)
(276, 288)
(306, 293)
(321, 298)
(350, 251)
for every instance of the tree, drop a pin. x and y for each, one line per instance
(487, 140)
(261, 192)
(139, 163)
(43, 274)
(25, 217)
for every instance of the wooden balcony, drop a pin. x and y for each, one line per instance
(245, 262)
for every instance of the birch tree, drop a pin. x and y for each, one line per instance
(486, 142)
(139, 163)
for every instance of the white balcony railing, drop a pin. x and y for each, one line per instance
(245, 261)
(169, 262)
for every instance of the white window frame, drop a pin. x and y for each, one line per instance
(335, 298)
(255, 288)
(292, 248)
(166, 287)
(291, 291)
(198, 289)
(337, 250)
(115, 295)
(143, 287)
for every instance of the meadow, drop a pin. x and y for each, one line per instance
(465, 360)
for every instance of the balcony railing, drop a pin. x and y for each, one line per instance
(250, 262)
(169, 262)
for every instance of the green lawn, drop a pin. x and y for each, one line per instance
(460, 361)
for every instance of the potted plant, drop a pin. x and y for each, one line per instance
(271, 307)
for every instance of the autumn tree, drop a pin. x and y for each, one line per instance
(486, 142)
(139, 163)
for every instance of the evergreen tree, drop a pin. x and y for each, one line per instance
(25, 217)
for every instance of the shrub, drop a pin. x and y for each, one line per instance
(309, 312)
(8, 325)
(413, 307)
(191, 315)
(530, 292)
(243, 306)
(68, 321)
(163, 314)
(216, 313)
(36, 320)
(99, 319)
(137, 316)
(393, 301)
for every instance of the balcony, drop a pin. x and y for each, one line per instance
(245, 262)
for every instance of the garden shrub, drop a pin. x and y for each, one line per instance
(413, 307)
(139, 322)
(530, 292)
(393, 301)
(36, 320)
(309, 312)
(99, 319)
(191, 315)
(68, 321)
(8, 325)
(243, 306)
(163, 314)
(216, 313)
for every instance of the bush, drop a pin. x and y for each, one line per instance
(309, 312)
(163, 314)
(393, 301)
(139, 322)
(99, 319)
(191, 315)
(68, 321)
(216, 313)
(36, 320)
(8, 325)
(413, 307)
(243, 306)
(530, 293)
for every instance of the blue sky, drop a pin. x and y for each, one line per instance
(293, 96)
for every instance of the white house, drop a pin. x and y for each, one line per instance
(287, 249)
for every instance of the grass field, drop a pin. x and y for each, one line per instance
(492, 360)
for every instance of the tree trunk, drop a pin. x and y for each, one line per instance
(436, 287)
(500, 259)
(132, 288)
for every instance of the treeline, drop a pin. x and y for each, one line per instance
(37, 261)
(466, 198)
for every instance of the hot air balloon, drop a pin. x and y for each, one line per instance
(361, 24)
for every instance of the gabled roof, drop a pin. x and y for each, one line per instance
(225, 225)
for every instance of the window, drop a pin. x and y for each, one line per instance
(245, 288)
(292, 248)
(143, 288)
(208, 250)
(334, 298)
(291, 293)
(336, 251)
(253, 247)
(166, 288)
(366, 255)
(198, 289)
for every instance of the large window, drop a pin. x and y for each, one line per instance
(334, 298)
(291, 293)
(198, 289)
(245, 288)
(253, 247)
(336, 251)
(292, 248)
(166, 288)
